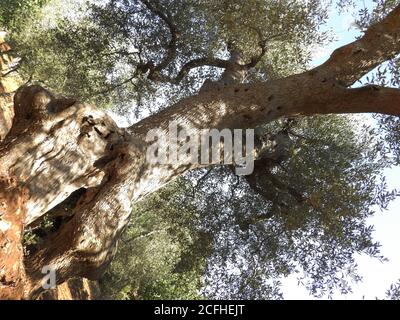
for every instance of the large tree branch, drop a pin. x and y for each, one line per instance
(219, 63)
(192, 64)
(171, 48)
(205, 62)
(380, 42)
(262, 43)
(368, 99)
(155, 71)
(244, 106)
(196, 63)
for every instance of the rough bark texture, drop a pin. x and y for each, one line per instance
(12, 195)
(12, 206)
(8, 85)
(57, 146)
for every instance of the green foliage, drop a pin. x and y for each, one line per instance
(388, 75)
(13, 13)
(262, 236)
(33, 235)
(394, 291)
(159, 255)
(288, 26)
(84, 55)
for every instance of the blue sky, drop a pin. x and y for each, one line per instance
(377, 276)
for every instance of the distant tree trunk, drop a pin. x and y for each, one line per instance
(57, 146)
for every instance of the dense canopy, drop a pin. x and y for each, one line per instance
(210, 233)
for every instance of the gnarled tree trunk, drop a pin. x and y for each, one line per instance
(57, 146)
(12, 196)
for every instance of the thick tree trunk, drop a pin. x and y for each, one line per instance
(12, 196)
(12, 272)
(57, 146)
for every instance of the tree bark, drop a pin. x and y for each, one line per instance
(12, 195)
(57, 146)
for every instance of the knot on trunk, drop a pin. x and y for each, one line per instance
(35, 102)
(31, 102)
